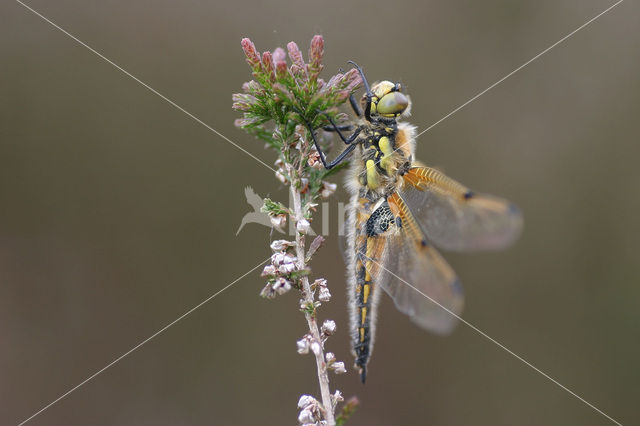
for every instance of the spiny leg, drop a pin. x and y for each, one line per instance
(336, 128)
(340, 157)
(340, 127)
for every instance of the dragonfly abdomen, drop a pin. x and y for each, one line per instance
(368, 249)
(363, 312)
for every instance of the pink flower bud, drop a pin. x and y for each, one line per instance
(267, 64)
(279, 55)
(316, 50)
(295, 54)
(315, 57)
(253, 59)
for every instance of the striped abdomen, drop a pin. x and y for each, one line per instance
(369, 245)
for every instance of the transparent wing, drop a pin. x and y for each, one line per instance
(414, 274)
(453, 217)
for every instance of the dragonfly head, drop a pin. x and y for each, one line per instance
(388, 99)
(384, 98)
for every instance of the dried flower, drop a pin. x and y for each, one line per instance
(279, 222)
(330, 357)
(281, 245)
(281, 177)
(268, 292)
(304, 344)
(284, 263)
(268, 270)
(324, 295)
(281, 285)
(315, 245)
(314, 160)
(337, 397)
(323, 291)
(328, 327)
(338, 367)
(305, 401)
(327, 189)
(303, 226)
(315, 347)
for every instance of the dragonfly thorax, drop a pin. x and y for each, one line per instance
(382, 158)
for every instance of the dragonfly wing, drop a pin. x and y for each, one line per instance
(420, 282)
(453, 217)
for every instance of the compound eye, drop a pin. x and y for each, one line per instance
(393, 103)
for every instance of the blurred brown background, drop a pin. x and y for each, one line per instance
(118, 213)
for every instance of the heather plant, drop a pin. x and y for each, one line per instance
(279, 105)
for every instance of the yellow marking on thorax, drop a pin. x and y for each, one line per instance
(367, 290)
(361, 334)
(385, 146)
(372, 175)
(363, 311)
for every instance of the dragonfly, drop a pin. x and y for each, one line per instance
(400, 210)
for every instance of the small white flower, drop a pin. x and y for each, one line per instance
(306, 417)
(328, 189)
(304, 344)
(278, 221)
(328, 327)
(281, 176)
(277, 259)
(268, 292)
(320, 282)
(310, 414)
(287, 268)
(316, 347)
(324, 295)
(281, 245)
(330, 357)
(303, 347)
(281, 285)
(303, 226)
(305, 401)
(336, 397)
(268, 270)
(284, 262)
(338, 367)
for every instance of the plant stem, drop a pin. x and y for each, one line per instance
(323, 373)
